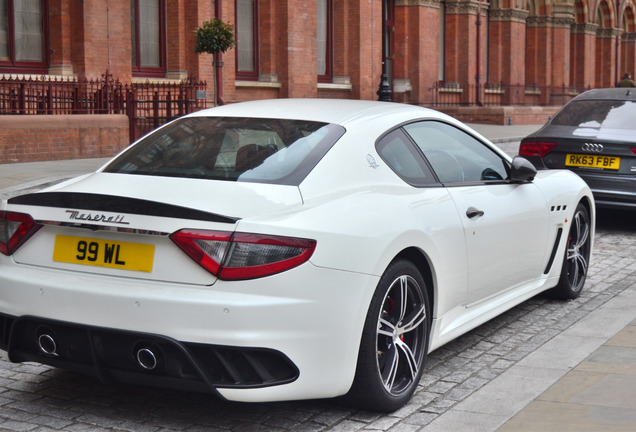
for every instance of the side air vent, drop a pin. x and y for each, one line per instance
(554, 251)
(558, 208)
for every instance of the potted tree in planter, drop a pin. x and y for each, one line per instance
(214, 37)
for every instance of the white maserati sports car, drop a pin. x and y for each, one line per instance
(286, 249)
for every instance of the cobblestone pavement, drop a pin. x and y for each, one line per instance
(39, 398)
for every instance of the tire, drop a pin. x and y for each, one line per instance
(394, 341)
(577, 256)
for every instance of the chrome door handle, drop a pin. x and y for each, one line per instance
(472, 212)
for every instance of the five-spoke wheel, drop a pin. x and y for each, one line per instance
(394, 341)
(577, 256)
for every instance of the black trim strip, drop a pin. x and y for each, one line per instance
(554, 250)
(116, 204)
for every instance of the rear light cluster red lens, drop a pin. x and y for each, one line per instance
(234, 256)
(15, 229)
(634, 150)
(536, 148)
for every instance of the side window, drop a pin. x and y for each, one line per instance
(403, 158)
(455, 155)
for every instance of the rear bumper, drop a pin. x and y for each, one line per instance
(141, 358)
(294, 335)
(609, 190)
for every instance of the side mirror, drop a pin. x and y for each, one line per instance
(522, 170)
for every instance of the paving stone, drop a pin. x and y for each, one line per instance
(41, 399)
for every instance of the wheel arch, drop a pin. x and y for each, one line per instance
(421, 261)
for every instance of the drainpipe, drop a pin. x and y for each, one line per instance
(617, 73)
(218, 58)
(478, 57)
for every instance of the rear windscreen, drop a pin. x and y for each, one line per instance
(233, 149)
(597, 114)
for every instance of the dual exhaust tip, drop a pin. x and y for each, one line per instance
(147, 356)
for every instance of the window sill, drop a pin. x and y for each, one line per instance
(38, 77)
(257, 84)
(334, 86)
(155, 80)
(402, 86)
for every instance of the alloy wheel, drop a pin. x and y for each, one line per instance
(401, 337)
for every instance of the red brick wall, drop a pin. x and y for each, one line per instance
(60, 37)
(506, 53)
(628, 57)
(296, 57)
(40, 137)
(582, 48)
(461, 46)
(417, 49)
(605, 62)
(101, 38)
(560, 54)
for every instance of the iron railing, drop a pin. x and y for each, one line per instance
(148, 105)
(501, 94)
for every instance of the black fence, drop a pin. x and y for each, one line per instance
(148, 105)
(501, 94)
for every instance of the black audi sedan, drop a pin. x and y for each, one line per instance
(593, 135)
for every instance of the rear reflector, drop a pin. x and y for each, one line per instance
(15, 229)
(536, 148)
(234, 256)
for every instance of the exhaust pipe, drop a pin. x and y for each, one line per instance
(47, 344)
(147, 359)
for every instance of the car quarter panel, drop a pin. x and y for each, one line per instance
(563, 190)
(361, 231)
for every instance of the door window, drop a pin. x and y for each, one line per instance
(456, 156)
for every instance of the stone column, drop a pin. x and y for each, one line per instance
(628, 53)
(507, 48)
(60, 38)
(582, 55)
(606, 57)
(417, 48)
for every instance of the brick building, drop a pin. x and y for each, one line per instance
(327, 48)
(333, 48)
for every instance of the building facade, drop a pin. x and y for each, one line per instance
(328, 48)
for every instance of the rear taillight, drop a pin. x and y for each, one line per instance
(15, 229)
(234, 256)
(634, 150)
(536, 148)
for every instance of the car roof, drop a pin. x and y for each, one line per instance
(336, 111)
(620, 93)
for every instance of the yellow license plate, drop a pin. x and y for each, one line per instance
(593, 161)
(104, 253)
